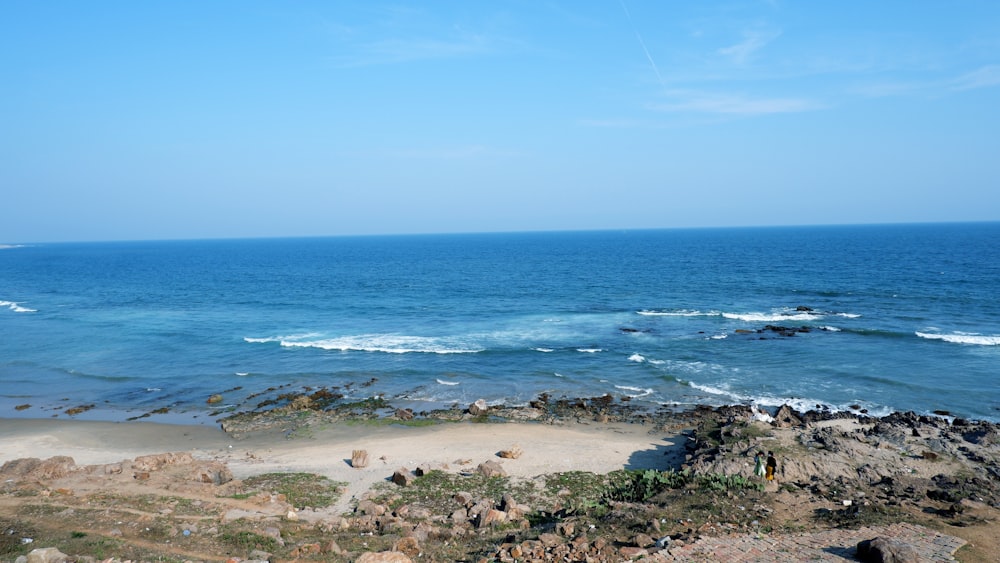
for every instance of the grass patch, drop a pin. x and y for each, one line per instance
(641, 485)
(436, 491)
(300, 489)
(246, 541)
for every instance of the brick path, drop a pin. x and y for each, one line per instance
(831, 545)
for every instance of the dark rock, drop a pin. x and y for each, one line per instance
(403, 477)
(882, 550)
(786, 417)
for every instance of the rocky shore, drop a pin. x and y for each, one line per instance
(919, 487)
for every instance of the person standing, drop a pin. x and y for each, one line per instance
(771, 466)
(758, 464)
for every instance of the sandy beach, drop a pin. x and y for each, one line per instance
(126, 491)
(548, 448)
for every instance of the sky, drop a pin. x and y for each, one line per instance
(225, 119)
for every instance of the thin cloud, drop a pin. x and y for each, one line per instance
(396, 50)
(753, 41)
(983, 77)
(447, 153)
(728, 104)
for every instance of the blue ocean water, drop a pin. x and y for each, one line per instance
(900, 317)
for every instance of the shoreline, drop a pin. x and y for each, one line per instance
(837, 471)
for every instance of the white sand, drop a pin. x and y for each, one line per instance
(459, 446)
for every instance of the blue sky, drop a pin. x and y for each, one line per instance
(152, 120)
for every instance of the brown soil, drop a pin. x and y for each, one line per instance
(833, 473)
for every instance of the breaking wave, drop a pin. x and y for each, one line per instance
(386, 343)
(963, 338)
(16, 308)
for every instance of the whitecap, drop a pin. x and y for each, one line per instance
(963, 338)
(830, 329)
(543, 349)
(636, 392)
(849, 315)
(770, 317)
(386, 343)
(679, 313)
(16, 307)
(242, 373)
(636, 358)
(716, 391)
(443, 382)
(290, 337)
(589, 350)
(722, 336)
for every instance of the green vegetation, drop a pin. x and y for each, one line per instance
(300, 489)
(247, 541)
(436, 490)
(640, 486)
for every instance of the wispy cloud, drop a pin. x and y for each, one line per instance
(982, 77)
(753, 41)
(459, 152)
(731, 104)
(399, 50)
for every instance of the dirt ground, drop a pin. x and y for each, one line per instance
(203, 502)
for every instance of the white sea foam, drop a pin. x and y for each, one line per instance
(636, 358)
(242, 373)
(716, 391)
(589, 350)
(443, 382)
(288, 338)
(722, 336)
(770, 317)
(831, 329)
(849, 315)
(16, 308)
(543, 349)
(387, 343)
(635, 392)
(963, 338)
(680, 313)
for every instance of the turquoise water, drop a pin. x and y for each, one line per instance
(900, 318)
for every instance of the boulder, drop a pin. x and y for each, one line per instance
(883, 550)
(359, 459)
(512, 452)
(383, 557)
(213, 472)
(491, 469)
(786, 417)
(409, 546)
(47, 555)
(403, 477)
(491, 517)
(158, 461)
(479, 408)
(34, 468)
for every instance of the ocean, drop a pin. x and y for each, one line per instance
(881, 318)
